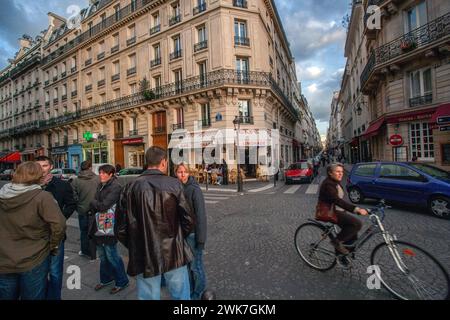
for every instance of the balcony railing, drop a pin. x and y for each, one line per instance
(421, 37)
(174, 20)
(47, 82)
(420, 101)
(155, 62)
(176, 54)
(115, 49)
(73, 70)
(178, 126)
(47, 103)
(240, 3)
(64, 74)
(74, 93)
(131, 41)
(134, 133)
(100, 56)
(118, 135)
(159, 130)
(88, 88)
(55, 101)
(101, 83)
(55, 78)
(88, 62)
(155, 29)
(115, 77)
(246, 120)
(201, 45)
(241, 41)
(131, 71)
(64, 97)
(200, 8)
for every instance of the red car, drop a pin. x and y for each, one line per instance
(299, 172)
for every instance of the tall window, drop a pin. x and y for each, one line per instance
(133, 88)
(240, 32)
(206, 115)
(74, 85)
(176, 9)
(89, 53)
(202, 72)
(117, 12)
(115, 40)
(422, 144)
(180, 117)
(64, 67)
(417, 16)
(178, 75)
(157, 82)
(157, 51)
(101, 47)
(156, 19)
(242, 68)
(201, 31)
(244, 108)
(420, 83)
(176, 44)
(132, 61)
(101, 73)
(116, 68)
(64, 91)
(74, 62)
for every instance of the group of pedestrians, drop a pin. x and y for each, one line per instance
(161, 221)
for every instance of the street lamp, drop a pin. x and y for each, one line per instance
(237, 128)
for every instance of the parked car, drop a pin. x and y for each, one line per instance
(299, 172)
(411, 183)
(131, 171)
(7, 174)
(64, 174)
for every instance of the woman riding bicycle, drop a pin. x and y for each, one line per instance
(332, 193)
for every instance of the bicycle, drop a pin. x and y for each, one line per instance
(396, 260)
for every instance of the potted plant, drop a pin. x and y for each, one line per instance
(408, 44)
(146, 92)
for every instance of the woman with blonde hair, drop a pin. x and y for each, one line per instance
(31, 228)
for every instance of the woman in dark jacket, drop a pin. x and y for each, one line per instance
(332, 193)
(111, 264)
(197, 239)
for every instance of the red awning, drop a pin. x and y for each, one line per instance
(11, 158)
(354, 142)
(442, 111)
(411, 116)
(374, 128)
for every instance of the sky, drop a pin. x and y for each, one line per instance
(313, 27)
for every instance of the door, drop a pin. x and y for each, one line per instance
(119, 157)
(160, 130)
(399, 183)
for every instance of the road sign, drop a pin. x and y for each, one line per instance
(444, 128)
(396, 140)
(443, 120)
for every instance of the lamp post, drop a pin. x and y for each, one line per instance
(237, 128)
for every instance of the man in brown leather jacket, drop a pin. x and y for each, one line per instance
(153, 222)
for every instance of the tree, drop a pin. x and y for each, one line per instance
(147, 93)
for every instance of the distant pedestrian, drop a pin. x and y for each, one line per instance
(225, 172)
(85, 188)
(63, 194)
(197, 238)
(103, 230)
(154, 231)
(31, 227)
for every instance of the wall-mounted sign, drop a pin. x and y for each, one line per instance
(88, 136)
(443, 120)
(396, 140)
(133, 141)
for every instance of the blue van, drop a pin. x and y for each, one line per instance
(402, 182)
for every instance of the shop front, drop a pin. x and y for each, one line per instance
(31, 154)
(75, 154)
(134, 150)
(440, 122)
(97, 152)
(59, 157)
(10, 160)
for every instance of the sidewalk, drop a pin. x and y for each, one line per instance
(249, 186)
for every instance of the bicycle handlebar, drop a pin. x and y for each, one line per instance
(379, 211)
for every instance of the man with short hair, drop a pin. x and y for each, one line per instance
(63, 194)
(153, 222)
(84, 188)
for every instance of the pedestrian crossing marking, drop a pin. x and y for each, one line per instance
(292, 190)
(211, 202)
(312, 189)
(270, 186)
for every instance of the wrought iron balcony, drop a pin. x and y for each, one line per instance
(131, 71)
(133, 133)
(118, 135)
(101, 83)
(73, 70)
(55, 78)
(176, 54)
(245, 120)
(64, 97)
(201, 45)
(88, 88)
(178, 126)
(242, 41)
(155, 62)
(47, 103)
(159, 130)
(131, 41)
(100, 56)
(420, 101)
(55, 101)
(155, 29)
(64, 74)
(74, 93)
(436, 30)
(200, 8)
(240, 3)
(24, 66)
(88, 62)
(115, 77)
(174, 20)
(115, 49)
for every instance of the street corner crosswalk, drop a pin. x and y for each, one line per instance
(215, 197)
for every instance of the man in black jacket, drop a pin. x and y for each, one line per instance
(63, 194)
(153, 222)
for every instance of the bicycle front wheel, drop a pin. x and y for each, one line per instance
(314, 247)
(422, 277)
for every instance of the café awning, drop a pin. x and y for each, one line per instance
(373, 129)
(13, 157)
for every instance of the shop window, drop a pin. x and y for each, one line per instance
(446, 153)
(422, 144)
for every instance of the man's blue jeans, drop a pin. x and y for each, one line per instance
(177, 282)
(197, 270)
(55, 281)
(31, 285)
(83, 220)
(111, 266)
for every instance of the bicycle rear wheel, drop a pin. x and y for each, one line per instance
(314, 247)
(424, 279)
